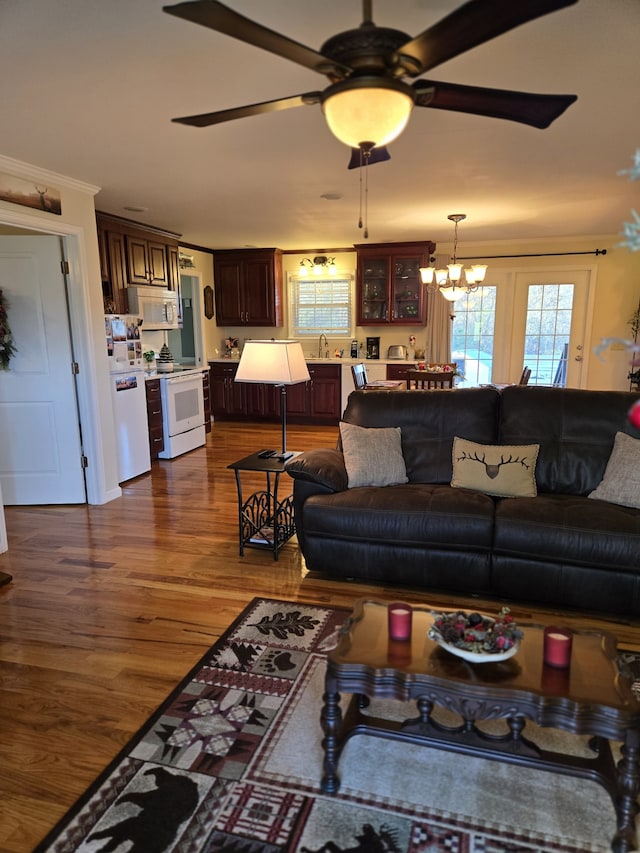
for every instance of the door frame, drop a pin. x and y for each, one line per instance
(84, 341)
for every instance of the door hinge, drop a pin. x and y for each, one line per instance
(64, 266)
(84, 462)
(75, 368)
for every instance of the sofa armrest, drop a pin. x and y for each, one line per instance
(323, 466)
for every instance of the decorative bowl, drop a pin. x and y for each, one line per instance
(475, 637)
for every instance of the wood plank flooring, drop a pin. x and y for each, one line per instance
(111, 605)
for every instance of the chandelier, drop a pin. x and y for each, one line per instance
(454, 282)
(319, 265)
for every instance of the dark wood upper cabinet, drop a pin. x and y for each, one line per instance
(389, 287)
(248, 287)
(134, 254)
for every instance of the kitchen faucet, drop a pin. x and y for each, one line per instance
(326, 346)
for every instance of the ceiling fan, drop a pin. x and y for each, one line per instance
(368, 103)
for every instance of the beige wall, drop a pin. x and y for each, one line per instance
(615, 291)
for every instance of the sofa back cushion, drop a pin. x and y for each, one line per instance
(575, 429)
(429, 421)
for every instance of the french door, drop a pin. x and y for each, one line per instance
(550, 326)
(533, 319)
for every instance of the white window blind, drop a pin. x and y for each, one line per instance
(321, 305)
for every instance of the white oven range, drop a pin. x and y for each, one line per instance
(182, 412)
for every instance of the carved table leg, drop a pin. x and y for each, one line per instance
(628, 786)
(331, 721)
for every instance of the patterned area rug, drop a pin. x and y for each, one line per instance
(232, 762)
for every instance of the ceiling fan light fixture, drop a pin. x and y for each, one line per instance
(367, 110)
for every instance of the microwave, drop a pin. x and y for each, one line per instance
(158, 308)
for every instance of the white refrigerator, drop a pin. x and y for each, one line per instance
(128, 395)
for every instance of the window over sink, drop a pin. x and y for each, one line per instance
(318, 305)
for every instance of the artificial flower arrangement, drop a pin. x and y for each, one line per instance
(475, 633)
(7, 347)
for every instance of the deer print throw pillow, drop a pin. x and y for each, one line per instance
(503, 470)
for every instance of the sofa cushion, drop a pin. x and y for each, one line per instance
(372, 457)
(505, 470)
(429, 420)
(568, 530)
(621, 481)
(418, 516)
(574, 428)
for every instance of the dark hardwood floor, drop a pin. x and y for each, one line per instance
(111, 605)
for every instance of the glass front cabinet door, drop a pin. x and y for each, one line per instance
(389, 287)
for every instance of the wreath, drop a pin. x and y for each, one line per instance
(7, 347)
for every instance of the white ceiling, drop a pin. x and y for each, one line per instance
(88, 88)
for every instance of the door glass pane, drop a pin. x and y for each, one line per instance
(548, 326)
(472, 336)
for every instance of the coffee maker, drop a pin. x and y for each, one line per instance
(373, 347)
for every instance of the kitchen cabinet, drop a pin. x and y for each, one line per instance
(248, 287)
(319, 399)
(227, 396)
(206, 395)
(117, 281)
(154, 417)
(400, 370)
(316, 401)
(147, 261)
(389, 289)
(134, 254)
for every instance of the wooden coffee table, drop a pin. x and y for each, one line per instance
(589, 698)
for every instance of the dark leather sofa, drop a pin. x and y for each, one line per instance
(558, 548)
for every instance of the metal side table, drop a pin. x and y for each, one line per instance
(263, 521)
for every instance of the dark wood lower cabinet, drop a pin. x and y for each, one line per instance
(400, 371)
(206, 392)
(316, 401)
(154, 417)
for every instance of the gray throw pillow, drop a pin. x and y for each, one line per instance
(373, 457)
(621, 481)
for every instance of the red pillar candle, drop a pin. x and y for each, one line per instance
(557, 646)
(399, 621)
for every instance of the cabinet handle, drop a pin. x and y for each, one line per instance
(157, 412)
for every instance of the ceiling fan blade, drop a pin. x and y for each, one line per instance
(526, 107)
(376, 155)
(207, 119)
(216, 16)
(474, 23)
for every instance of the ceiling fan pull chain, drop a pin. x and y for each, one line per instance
(366, 194)
(360, 175)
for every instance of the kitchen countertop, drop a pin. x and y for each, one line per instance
(153, 373)
(334, 360)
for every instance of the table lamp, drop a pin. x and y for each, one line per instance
(274, 363)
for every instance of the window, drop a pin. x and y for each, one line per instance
(549, 310)
(472, 335)
(321, 305)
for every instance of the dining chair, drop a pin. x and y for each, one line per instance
(360, 380)
(526, 375)
(359, 373)
(427, 379)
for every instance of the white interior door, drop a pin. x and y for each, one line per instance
(40, 445)
(550, 321)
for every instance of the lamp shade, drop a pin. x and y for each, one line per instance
(367, 110)
(452, 294)
(272, 363)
